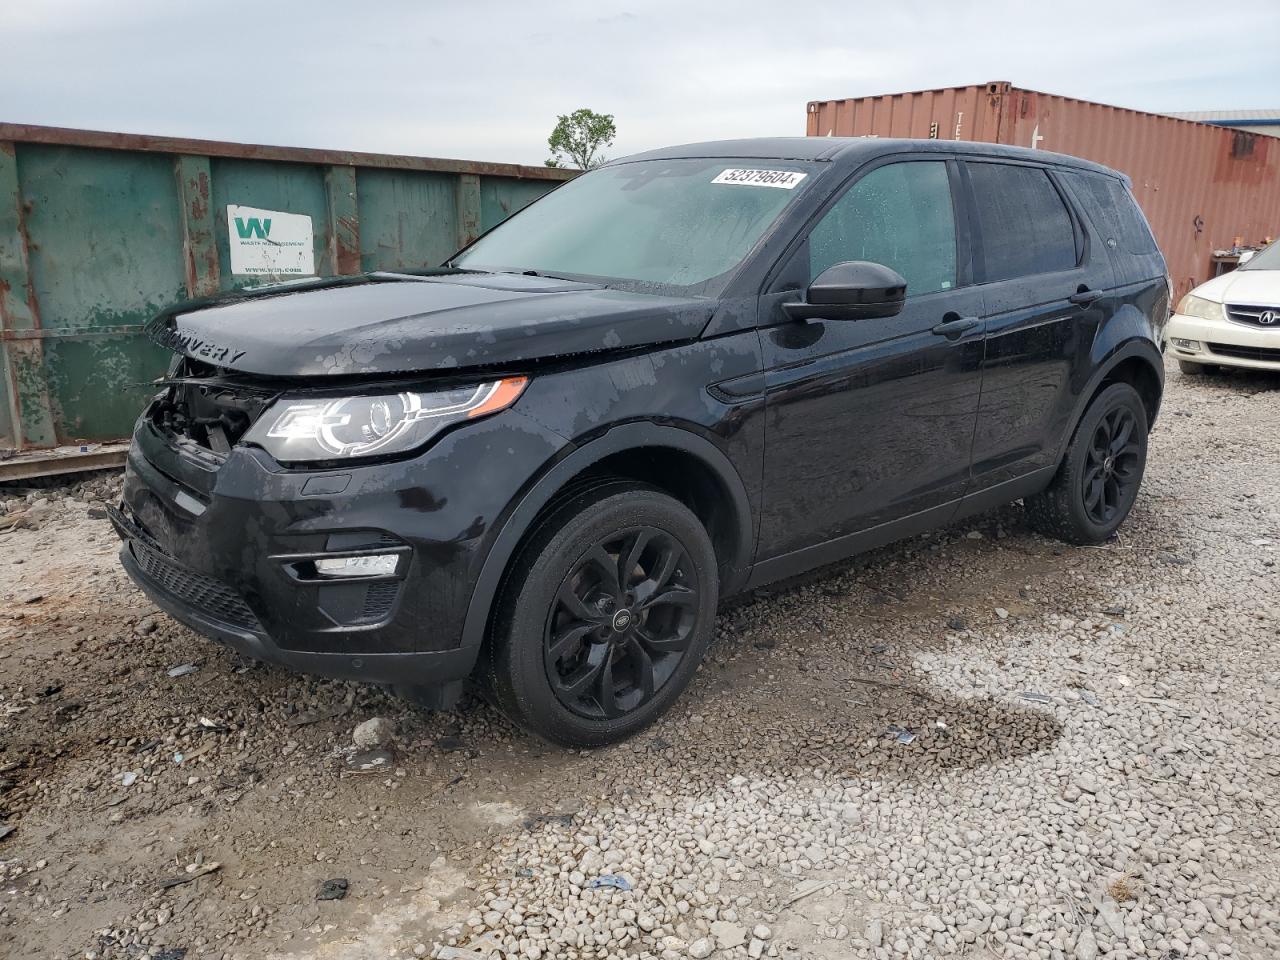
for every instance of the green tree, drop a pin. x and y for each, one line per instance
(578, 137)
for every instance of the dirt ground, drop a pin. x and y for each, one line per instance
(978, 742)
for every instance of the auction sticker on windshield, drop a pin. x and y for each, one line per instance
(784, 179)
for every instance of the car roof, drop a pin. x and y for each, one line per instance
(853, 151)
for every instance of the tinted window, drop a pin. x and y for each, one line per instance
(1025, 225)
(1116, 214)
(899, 215)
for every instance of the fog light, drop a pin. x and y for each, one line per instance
(1191, 345)
(378, 565)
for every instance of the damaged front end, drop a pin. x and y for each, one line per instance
(305, 520)
(206, 407)
(326, 464)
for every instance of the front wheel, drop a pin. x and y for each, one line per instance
(1097, 484)
(605, 616)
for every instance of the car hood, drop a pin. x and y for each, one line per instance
(1252, 287)
(383, 323)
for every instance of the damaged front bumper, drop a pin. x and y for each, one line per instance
(237, 549)
(213, 611)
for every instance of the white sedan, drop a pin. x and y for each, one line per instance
(1233, 320)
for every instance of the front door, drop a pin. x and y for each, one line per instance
(871, 421)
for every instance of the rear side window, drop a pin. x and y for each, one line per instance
(1115, 213)
(1024, 223)
(899, 215)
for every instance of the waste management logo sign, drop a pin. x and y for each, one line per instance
(270, 242)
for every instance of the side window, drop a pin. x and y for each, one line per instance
(1025, 226)
(899, 215)
(1116, 214)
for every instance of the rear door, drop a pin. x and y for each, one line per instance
(1045, 290)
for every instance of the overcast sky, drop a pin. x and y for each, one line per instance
(484, 79)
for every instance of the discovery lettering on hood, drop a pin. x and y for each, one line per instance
(192, 345)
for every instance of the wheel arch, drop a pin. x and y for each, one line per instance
(704, 479)
(1137, 362)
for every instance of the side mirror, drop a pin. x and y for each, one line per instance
(853, 290)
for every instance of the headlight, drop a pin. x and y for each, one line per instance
(1193, 306)
(336, 428)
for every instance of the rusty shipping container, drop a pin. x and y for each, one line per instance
(98, 231)
(1202, 187)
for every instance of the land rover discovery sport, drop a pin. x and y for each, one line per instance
(683, 375)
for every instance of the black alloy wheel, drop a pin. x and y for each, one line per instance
(1112, 466)
(604, 616)
(1097, 482)
(622, 620)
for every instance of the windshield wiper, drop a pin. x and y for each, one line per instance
(533, 273)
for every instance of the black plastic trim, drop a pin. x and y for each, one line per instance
(426, 668)
(1145, 349)
(842, 548)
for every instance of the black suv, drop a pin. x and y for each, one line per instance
(677, 377)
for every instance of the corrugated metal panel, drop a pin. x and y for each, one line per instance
(500, 197)
(952, 113)
(1200, 186)
(1266, 128)
(406, 219)
(98, 231)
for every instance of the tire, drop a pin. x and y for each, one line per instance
(1098, 481)
(1190, 368)
(578, 628)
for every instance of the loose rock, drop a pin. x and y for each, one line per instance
(374, 733)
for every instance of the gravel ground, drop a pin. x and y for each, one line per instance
(976, 743)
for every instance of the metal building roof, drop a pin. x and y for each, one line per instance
(1226, 117)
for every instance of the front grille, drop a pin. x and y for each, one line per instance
(1253, 315)
(1268, 354)
(205, 594)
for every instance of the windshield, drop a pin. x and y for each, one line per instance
(682, 224)
(1267, 258)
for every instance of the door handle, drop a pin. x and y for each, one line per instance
(956, 327)
(1085, 296)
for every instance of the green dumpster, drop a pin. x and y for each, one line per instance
(98, 231)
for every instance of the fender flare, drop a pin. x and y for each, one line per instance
(1138, 347)
(628, 436)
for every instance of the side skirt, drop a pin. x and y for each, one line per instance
(800, 561)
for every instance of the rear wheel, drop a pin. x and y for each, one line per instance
(1097, 484)
(605, 616)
